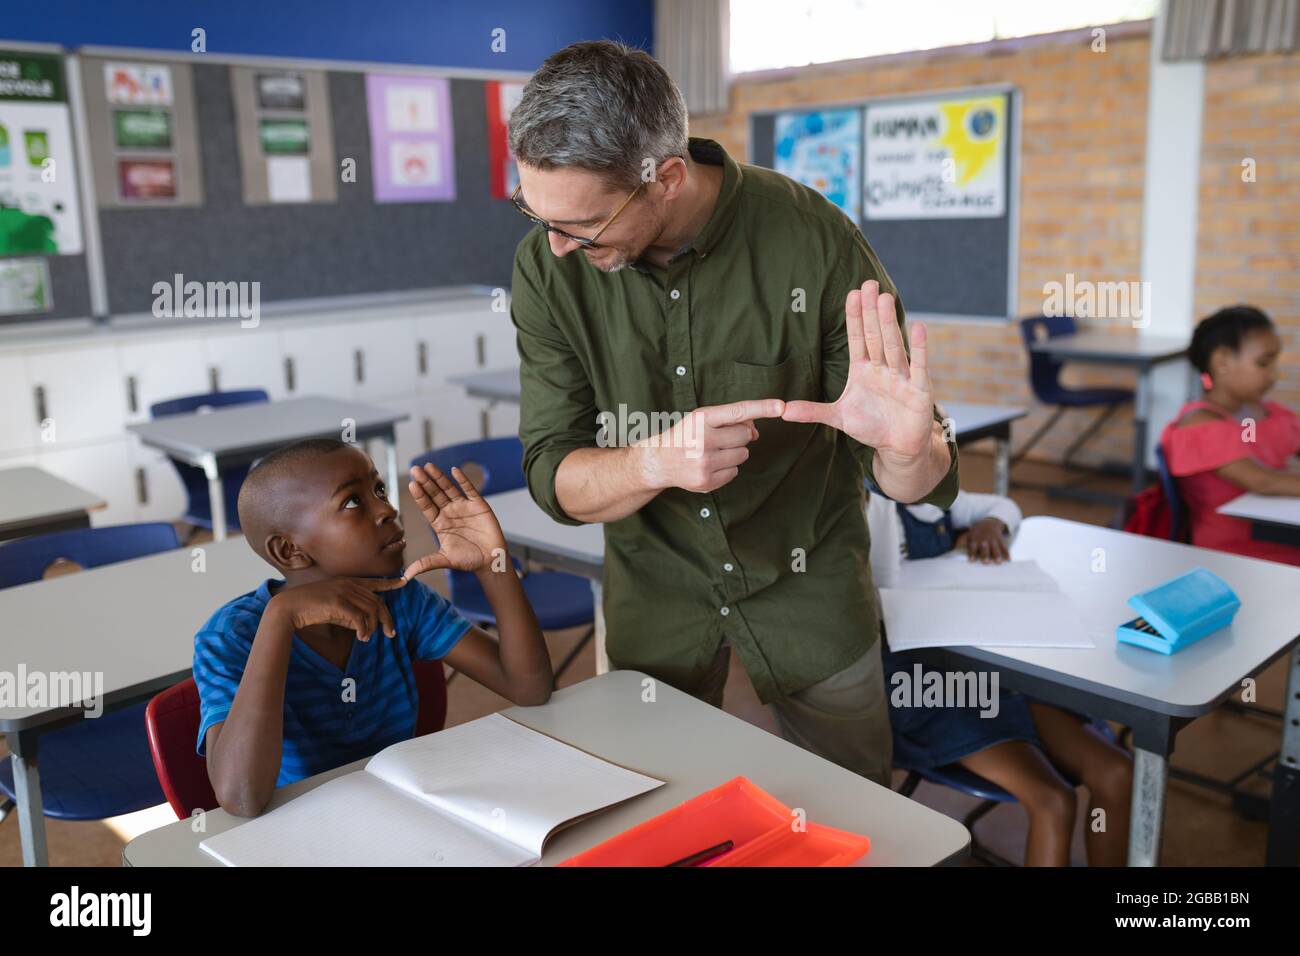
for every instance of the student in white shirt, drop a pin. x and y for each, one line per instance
(1035, 751)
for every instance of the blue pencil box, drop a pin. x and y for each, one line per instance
(1180, 612)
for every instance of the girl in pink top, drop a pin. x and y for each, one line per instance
(1233, 441)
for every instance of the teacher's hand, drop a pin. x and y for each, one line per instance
(705, 450)
(886, 402)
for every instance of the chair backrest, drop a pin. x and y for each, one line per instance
(500, 460)
(1044, 371)
(189, 403)
(27, 559)
(1169, 485)
(172, 723)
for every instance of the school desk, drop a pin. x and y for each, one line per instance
(678, 739)
(1154, 694)
(32, 501)
(1140, 353)
(240, 434)
(972, 421)
(133, 622)
(1274, 518)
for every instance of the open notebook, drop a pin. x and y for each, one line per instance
(486, 793)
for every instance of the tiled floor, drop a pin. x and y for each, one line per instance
(1200, 827)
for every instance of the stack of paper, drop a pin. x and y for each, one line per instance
(1013, 604)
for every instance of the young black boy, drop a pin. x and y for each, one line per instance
(314, 671)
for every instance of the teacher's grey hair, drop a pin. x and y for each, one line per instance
(602, 106)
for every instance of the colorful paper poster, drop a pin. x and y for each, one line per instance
(39, 212)
(288, 179)
(823, 149)
(146, 179)
(138, 84)
(284, 136)
(411, 138)
(24, 286)
(142, 129)
(281, 91)
(502, 98)
(937, 159)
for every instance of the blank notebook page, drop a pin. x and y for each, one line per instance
(507, 778)
(358, 820)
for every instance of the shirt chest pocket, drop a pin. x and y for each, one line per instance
(791, 380)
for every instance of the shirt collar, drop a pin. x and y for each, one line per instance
(724, 210)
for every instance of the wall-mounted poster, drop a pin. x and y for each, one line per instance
(285, 135)
(24, 286)
(411, 138)
(143, 131)
(502, 98)
(138, 84)
(38, 168)
(936, 159)
(823, 149)
(281, 91)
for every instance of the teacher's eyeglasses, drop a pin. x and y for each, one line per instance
(585, 243)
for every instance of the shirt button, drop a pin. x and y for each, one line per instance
(728, 567)
(725, 611)
(681, 370)
(674, 294)
(704, 512)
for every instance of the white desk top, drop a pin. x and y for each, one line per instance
(972, 416)
(30, 496)
(694, 747)
(1271, 509)
(502, 384)
(523, 523)
(1187, 683)
(1113, 348)
(260, 426)
(134, 621)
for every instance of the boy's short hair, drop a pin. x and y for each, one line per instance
(1224, 329)
(261, 508)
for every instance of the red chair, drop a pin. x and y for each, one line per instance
(172, 722)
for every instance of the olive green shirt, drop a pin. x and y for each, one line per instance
(776, 561)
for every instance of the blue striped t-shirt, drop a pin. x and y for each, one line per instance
(328, 722)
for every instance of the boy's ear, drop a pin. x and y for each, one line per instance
(285, 554)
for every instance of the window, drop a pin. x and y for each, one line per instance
(770, 34)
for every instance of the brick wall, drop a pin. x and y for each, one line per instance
(1248, 238)
(1083, 145)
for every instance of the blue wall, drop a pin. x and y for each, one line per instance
(456, 33)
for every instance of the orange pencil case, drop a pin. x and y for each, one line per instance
(761, 827)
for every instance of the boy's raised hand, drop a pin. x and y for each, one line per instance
(468, 533)
(353, 603)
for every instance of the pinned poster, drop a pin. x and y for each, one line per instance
(24, 286)
(937, 159)
(39, 213)
(411, 138)
(823, 149)
(143, 132)
(502, 98)
(285, 136)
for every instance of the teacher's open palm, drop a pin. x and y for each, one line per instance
(886, 402)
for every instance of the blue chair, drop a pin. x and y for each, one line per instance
(1177, 508)
(101, 767)
(1045, 381)
(560, 600)
(957, 777)
(198, 507)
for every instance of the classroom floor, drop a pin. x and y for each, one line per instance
(1200, 827)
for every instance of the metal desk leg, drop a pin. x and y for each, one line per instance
(27, 793)
(1150, 771)
(1141, 413)
(1284, 809)
(1001, 466)
(216, 497)
(390, 466)
(597, 596)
